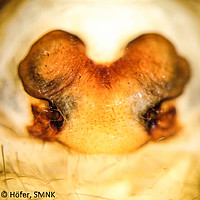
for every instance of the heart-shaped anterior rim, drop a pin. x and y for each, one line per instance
(102, 104)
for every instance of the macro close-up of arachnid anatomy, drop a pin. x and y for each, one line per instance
(100, 100)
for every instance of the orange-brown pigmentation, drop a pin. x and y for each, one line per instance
(161, 121)
(105, 107)
(47, 123)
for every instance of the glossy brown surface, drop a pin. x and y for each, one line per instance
(103, 104)
(161, 121)
(47, 123)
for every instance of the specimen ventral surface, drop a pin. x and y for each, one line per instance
(167, 169)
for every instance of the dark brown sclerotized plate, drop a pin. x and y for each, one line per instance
(104, 108)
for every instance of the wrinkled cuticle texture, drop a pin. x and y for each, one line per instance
(105, 107)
